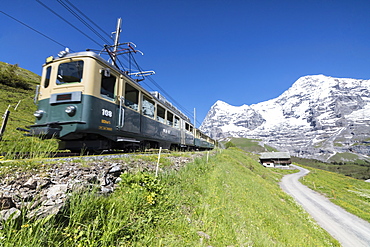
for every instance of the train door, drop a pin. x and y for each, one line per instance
(121, 112)
(129, 109)
(182, 131)
(119, 99)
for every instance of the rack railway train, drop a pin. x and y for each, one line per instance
(89, 103)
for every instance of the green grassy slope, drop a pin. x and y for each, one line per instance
(238, 202)
(231, 200)
(251, 145)
(10, 97)
(19, 101)
(28, 76)
(359, 169)
(349, 193)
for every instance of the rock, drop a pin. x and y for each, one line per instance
(119, 179)
(57, 191)
(115, 169)
(43, 195)
(43, 183)
(27, 196)
(92, 178)
(106, 189)
(45, 211)
(31, 184)
(51, 202)
(64, 174)
(203, 235)
(12, 213)
(6, 203)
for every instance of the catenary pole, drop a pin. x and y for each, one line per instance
(116, 40)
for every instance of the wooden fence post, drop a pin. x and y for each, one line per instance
(5, 120)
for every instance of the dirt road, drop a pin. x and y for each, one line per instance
(347, 228)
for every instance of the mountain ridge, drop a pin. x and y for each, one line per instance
(317, 117)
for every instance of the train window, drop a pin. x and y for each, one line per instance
(131, 97)
(169, 118)
(177, 122)
(148, 107)
(187, 126)
(47, 77)
(70, 72)
(108, 85)
(161, 114)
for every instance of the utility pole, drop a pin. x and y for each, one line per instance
(116, 40)
(195, 120)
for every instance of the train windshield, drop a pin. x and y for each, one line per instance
(70, 72)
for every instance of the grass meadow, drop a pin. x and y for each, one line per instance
(231, 200)
(351, 194)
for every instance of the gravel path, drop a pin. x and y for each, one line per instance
(347, 228)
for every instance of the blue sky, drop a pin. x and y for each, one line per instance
(237, 51)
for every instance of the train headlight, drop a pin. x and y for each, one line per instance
(39, 113)
(70, 110)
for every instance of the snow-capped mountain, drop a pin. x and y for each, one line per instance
(317, 117)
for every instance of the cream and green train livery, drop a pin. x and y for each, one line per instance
(88, 103)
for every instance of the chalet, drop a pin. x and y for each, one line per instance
(275, 159)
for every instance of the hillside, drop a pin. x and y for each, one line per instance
(11, 94)
(29, 76)
(19, 100)
(226, 200)
(318, 117)
(359, 170)
(248, 145)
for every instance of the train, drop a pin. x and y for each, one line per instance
(90, 103)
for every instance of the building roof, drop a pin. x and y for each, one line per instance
(275, 155)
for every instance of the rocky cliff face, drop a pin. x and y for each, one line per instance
(317, 117)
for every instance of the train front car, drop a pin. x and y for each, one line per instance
(88, 103)
(76, 99)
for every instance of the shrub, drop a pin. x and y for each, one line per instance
(10, 78)
(229, 145)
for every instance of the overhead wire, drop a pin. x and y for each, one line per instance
(101, 37)
(80, 19)
(96, 25)
(83, 21)
(164, 91)
(68, 22)
(24, 24)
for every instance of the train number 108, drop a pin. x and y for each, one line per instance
(106, 113)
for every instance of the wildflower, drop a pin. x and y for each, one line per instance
(26, 225)
(150, 199)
